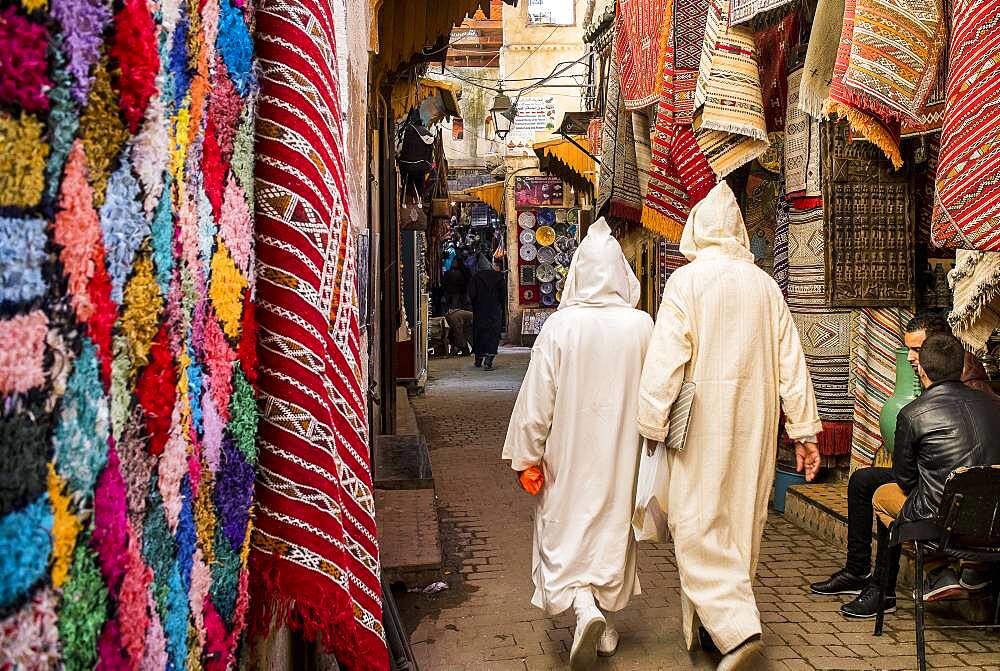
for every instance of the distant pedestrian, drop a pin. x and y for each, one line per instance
(488, 293)
(574, 421)
(456, 288)
(724, 325)
(459, 331)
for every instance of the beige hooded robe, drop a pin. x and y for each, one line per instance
(723, 324)
(575, 415)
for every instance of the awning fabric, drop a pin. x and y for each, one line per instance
(407, 95)
(403, 29)
(491, 194)
(565, 152)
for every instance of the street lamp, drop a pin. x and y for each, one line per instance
(503, 115)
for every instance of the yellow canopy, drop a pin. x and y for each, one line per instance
(491, 194)
(568, 154)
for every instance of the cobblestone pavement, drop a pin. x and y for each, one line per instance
(484, 621)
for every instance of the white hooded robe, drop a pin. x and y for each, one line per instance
(724, 325)
(575, 415)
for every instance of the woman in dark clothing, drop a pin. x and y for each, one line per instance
(455, 288)
(488, 293)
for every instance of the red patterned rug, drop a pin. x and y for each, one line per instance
(967, 203)
(639, 25)
(314, 555)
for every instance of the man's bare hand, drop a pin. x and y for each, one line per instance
(807, 459)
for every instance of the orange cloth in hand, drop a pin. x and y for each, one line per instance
(532, 479)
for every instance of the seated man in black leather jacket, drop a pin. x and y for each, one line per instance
(947, 427)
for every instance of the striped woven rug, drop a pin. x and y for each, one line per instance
(879, 333)
(967, 207)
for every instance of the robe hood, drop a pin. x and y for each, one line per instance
(715, 228)
(599, 275)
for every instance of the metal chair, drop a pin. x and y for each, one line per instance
(967, 527)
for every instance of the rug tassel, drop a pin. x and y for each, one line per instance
(661, 224)
(867, 126)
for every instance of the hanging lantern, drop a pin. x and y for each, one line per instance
(503, 115)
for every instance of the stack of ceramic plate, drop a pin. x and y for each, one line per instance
(528, 252)
(546, 255)
(545, 273)
(526, 219)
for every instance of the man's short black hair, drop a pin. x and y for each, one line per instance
(942, 357)
(929, 323)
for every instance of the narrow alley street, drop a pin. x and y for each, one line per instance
(484, 621)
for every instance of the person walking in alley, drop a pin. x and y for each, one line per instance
(488, 293)
(574, 418)
(724, 325)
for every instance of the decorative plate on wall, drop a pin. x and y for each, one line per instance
(528, 252)
(526, 219)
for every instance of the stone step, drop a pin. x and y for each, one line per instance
(409, 540)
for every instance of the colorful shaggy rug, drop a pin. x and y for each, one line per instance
(314, 555)
(967, 207)
(976, 285)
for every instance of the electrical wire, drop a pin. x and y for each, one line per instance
(534, 51)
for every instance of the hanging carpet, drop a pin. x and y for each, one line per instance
(729, 112)
(930, 117)
(802, 146)
(976, 285)
(745, 10)
(781, 214)
(619, 195)
(689, 19)
(967, 204)
(879, 333)
(314, 554)
(774, 44)
(639, 27)
(821, 56)
(860, 109)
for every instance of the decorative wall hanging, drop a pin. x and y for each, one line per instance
(618, 196)
(967, 204)
(729, 112)
(879, 333)
(976, 283)
(869, 222)
(639, 49)
(127, 342)
(744, 11)
(821, 56)
(859, 108)
(802, 146)
(895, 51)
(315, 567)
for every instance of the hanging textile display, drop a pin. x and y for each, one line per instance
(643, 155)
(688, 35)
(729, 112)
(821, 56)
(126, 338)
(639, 25)
(976, 285)
(869, 224)
(618, 195)
(315, 567)
(930, 116)
(802, 146)
(745, 10)
(967, 203)
(774, 45)
(859, 108)
(826, 342)
(895, 51)
(806, 260)
(679, 174)
(781, 216)
(878, 334)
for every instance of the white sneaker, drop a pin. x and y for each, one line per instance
(607, 645)
(590, 626)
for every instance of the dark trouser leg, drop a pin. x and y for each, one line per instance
(860, 490)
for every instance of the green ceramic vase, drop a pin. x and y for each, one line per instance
(907, 389)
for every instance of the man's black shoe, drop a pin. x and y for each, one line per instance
(866, 605)
(841, 582)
